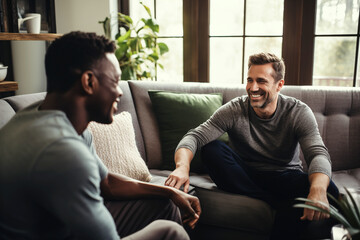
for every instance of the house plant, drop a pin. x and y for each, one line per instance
(138, 49)
(348, 213)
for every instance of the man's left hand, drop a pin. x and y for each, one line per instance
(319, 183)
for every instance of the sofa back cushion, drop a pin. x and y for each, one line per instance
(6, 112)
(21, 101)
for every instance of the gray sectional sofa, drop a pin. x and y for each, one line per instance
(230, 216)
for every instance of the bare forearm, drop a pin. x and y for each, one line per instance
(319, 182)
(117, 186)
(183, 157)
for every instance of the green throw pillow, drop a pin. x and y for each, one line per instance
(177, 113)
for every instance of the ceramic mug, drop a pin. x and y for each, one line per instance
(3, 72)
(33, 22)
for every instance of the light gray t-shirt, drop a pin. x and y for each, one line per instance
(266, 144)
(50, 180)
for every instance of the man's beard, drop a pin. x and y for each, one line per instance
(265, 99)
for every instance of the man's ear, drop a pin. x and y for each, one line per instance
(88, 82)
(280, 83)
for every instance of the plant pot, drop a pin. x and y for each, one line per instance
(338, 232)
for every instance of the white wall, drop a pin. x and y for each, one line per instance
(28, 63)
(83, 15)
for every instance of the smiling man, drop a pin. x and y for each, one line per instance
(53, 184)
(266, 130)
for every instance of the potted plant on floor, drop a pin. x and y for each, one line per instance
(348, 213)
(138, 49)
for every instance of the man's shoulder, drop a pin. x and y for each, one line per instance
(240, 101)
(238, 105)
(33, 131)
(294, 108)
(43, 123)
(291, 102)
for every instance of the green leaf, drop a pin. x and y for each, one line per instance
(335, 215)
(152, 24)
(121, 51)
(163, 48)
(128, 73)
(153, 57)
(124, 37)
(122, 18)
(150, 40)
(133, 43)
(128, 19)
(144, 74)
(160, 65)
(146, 8)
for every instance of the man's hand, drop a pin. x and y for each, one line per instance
(319, 183)
(179, 177)
(189, 207)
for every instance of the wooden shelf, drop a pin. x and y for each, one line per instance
(7, 86)
(29, 36)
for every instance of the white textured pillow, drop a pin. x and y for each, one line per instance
(115, 144)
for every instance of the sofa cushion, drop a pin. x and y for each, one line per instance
(347, 178)
(234, 211)
(226, 210)
(177, 113)
(6, 112)
(21, 101)
(115, 145)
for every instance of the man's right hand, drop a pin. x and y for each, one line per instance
(189, 207)
(178, 178)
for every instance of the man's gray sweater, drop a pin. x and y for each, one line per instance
(266, 144)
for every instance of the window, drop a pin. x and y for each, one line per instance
(239, 28)
(169, 16)
(336, 43)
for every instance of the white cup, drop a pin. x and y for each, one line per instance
(33, 22)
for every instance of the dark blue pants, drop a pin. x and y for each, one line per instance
(278, 189)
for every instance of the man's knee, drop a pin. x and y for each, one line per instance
(160, 229)
(169, 230)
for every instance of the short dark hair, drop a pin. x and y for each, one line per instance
(264, 58)
(72, 54)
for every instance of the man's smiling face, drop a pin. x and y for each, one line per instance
(262, 88)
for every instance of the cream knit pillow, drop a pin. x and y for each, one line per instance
(115, 144)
